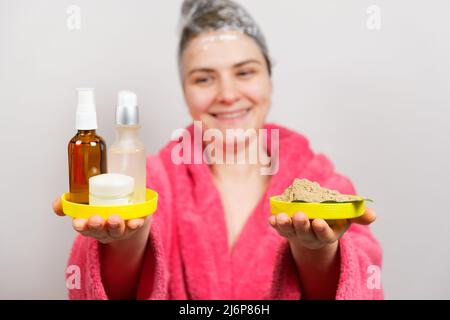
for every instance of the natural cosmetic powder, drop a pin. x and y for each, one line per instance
(303, 190)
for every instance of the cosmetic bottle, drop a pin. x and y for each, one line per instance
(86, 150)
(127, 154)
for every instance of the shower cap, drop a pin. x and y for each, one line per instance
(200, 16)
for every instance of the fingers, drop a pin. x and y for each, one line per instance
(302, 226)
(135, 224)
(323, 231)
(283, 224)
(115, 226)
(314, 234)
(367, 218)
(273, 221)
(80, 225)
(57, 207)
(96, 227)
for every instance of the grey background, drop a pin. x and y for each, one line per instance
(375, 101)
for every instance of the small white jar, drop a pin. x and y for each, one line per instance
(111, 189)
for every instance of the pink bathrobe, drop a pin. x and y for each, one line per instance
(184, 259)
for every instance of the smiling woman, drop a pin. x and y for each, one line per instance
(226, 81)
(224, 65)
(213, 235)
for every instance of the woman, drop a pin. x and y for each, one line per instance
(213, 236)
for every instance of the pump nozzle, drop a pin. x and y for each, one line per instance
(86, 117)
(127, 112)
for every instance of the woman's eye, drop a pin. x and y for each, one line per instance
(245, 74)
(202, 80)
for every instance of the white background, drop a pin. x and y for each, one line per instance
(375, 101)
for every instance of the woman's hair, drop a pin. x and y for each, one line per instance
(200, 16)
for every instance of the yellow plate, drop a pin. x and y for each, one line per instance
(327, 211)
(127, 212)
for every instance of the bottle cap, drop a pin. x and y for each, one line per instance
(86, 117)
(127, 112)
(111, 185)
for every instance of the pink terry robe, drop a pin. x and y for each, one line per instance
(186, 260)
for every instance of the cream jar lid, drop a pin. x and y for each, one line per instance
(111, 185)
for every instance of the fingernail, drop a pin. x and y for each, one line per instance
(113, 222)
(113, 225)
(281, 219)
(133, 225)
(284, 220)
(78, 224)
(95, 225)
(300, 217)
(272, 221)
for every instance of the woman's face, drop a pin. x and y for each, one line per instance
(226, 81)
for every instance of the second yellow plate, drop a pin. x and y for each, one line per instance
(327, 211)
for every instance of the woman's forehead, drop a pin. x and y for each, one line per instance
(220, 49)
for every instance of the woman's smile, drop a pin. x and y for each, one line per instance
(231, 116)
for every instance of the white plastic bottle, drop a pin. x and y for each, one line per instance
(127, 154)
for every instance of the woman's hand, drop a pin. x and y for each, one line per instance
(107, 231)
(314, 246)
(315, 234)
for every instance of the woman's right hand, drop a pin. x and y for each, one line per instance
(112, 230)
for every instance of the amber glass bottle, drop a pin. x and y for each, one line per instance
(86, 150)
(87, 158)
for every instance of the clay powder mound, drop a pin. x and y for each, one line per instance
(303, 190)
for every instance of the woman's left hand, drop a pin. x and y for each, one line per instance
(315, 234)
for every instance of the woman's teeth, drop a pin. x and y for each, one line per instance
(233, 115)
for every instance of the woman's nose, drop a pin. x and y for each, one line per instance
(228, 92)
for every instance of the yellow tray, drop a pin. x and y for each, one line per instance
(127, 212)
(326, 211)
